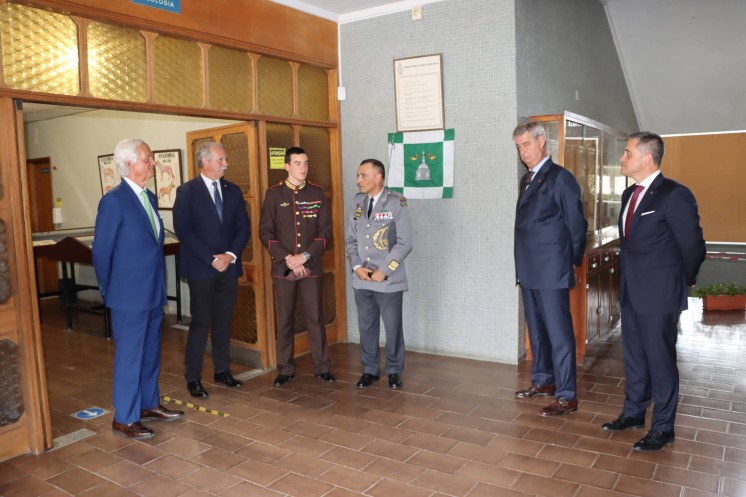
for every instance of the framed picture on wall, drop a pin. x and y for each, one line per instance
(167, 176)
(418, 87)
(109, 173)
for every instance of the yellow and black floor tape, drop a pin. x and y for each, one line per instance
(214, 412)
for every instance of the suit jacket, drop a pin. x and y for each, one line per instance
(293, 221)
(664, 249)
(201, 233)
(550, 230)
(127, 258)
(382, 241)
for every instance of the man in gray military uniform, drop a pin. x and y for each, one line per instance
(378, 238)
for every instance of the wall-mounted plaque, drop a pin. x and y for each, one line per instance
(418, 83)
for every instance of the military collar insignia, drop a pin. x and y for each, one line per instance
(294, 187)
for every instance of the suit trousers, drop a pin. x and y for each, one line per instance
(552, 339)
(137, 361)
(372, 307)
(211, 305)
(311, 292)
(649, 345)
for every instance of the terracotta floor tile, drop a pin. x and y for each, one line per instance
(541, 485)
(210, 480)
(75, 480)
(454, 429)
(350, 479)
(531, 465)
(125, 473)
(646, 488)
(172, 466)
(160, 486)
(293, 484)
(25, 486)
(394, 470)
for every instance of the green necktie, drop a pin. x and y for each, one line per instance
(149, 210)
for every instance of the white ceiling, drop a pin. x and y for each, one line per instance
(684, 60)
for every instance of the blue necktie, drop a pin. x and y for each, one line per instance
(218, 200)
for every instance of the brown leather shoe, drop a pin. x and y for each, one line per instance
(134, 431)
(536, 391)
(559, 407)
(160, 413)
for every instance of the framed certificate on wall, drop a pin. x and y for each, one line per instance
(418, 85)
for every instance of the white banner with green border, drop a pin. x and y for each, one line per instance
(421, 163)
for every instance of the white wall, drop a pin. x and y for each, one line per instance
(73, 144)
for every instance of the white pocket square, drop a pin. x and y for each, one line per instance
(646, 213)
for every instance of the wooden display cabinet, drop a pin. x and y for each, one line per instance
(591, 151)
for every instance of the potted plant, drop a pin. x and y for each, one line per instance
(722, 296)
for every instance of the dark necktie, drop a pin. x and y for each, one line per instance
(370, 207)
(631, 209)
(218, 200)
(526, 180)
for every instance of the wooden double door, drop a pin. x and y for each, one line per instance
(253, 330)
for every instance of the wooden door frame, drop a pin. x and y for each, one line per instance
(20, 313)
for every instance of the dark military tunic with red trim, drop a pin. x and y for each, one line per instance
(295, 220)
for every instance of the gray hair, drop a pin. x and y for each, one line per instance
(534, 128)
(126, 151)
(205, 152)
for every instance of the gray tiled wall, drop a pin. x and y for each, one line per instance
(462, 299)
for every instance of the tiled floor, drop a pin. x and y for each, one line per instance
(454, 429)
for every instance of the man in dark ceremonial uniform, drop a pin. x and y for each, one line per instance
(296, 228)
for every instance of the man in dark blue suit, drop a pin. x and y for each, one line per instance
(213, 227)
(128, 259)
(662, 249)
(550, 236)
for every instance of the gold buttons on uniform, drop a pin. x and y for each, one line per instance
(367, 225)
(298, 223)
(297, 213)
(367, 248)
(299, 244)
(367, 236)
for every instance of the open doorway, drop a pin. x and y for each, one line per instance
(65, 148)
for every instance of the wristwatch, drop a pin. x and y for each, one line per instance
(307, 256)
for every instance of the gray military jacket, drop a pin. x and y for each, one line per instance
(381, 242)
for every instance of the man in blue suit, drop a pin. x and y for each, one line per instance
(662, 249)
(212, 224)
(550, 236)
(128, 259)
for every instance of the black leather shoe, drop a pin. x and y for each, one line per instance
(196, 389)
(654, 440)
(227, 379)
(366, 380)
(623, 423)
(395, 381)
(160, 413)
(327, 377)
(133, 431)
(282, 379)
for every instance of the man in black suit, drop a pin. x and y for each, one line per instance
(662, 249)
(213, 227)
(550, 236)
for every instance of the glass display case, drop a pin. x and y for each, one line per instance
(591, 151)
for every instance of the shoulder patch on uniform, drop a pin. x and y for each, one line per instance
(403, 201)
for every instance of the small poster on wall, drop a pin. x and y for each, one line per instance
(167, 176)
(109, 172)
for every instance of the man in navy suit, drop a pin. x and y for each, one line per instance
(213, 227)
(550, 236)
(128, 259)
(662, 249)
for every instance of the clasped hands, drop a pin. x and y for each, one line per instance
(296, 264)
(366, 274)
(221, 262)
